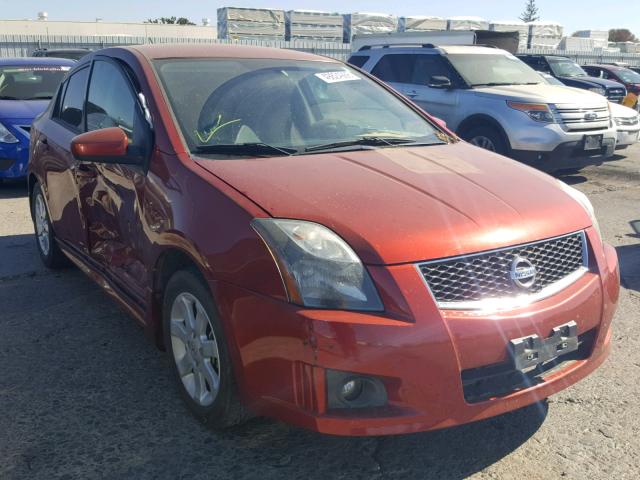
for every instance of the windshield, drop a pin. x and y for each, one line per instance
(30, 82)
(563, 67)
(628, 76)
(284, 107)
(493, 69)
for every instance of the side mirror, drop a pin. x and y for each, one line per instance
(107, 145)
(440, 122)
(439, 81)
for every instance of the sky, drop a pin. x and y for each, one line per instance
(573, 14)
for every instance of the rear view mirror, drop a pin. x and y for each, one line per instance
(107, 145)
(440, 122)
(439, 81)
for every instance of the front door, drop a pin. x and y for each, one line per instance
(114, 205)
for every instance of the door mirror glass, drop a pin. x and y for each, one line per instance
(107, 145)
(439, 81)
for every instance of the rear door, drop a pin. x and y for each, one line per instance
(113, 206)
(410, 74)
(63, 174)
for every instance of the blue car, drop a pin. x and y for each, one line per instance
(26, 87)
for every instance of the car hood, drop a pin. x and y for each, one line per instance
(22, 109)
(620, 111)
(590, 82)
(399, 205)
(544, 93)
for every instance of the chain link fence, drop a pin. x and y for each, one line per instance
(24, 45)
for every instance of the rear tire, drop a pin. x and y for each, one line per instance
(198, 352)
(488, 138)
(48, 248)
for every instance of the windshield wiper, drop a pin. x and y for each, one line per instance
(365, 141)
(40, 97)
(494, 84)
(245, 149)
(7, 97)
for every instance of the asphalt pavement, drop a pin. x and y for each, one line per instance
(84, 395)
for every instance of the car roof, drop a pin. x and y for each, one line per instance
(42, 61)
(166, 51)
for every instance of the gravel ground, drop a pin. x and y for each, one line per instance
(84, 395)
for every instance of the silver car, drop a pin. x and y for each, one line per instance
(495, 101)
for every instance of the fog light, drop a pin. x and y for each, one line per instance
(349, 390)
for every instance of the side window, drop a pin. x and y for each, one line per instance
(427, 66)
(71, 109)
(358, 60)
(541, 65)
(395, 68)
(110, 102)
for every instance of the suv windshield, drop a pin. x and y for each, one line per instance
(277, 107)
(30, 82)
(563, 67)
(493, 69)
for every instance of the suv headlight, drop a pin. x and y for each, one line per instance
(6, 136)
(583, 200)
(598, 90)
(318, 268)
(540, 112)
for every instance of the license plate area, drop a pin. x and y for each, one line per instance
(592, 142)
(527, 353)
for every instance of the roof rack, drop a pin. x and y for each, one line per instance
(395, 45)
(422, 45)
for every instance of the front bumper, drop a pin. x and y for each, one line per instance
(627, 137)
(14, 157)
(281, 352)
(567, 155)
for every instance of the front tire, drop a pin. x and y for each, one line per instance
(198, 350)
(488, 138)
(48, 248)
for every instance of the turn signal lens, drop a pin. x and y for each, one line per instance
(539, 112)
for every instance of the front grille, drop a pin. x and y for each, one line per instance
(494, 381)
(583, 118)
(616, 95)
(464, 282)
(26, 129)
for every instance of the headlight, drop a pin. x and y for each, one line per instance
(539, 112)
(618, 121)
(319, 269)
(598, 90)
(6, 136)
(583, 200)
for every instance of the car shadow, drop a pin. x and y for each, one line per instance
(571, 178)
(453, 453)
(13, 188)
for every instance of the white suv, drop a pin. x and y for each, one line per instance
(495, 101)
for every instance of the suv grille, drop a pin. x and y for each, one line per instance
(616, 95)
(464, 282)
(583, 118)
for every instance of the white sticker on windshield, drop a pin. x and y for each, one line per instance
(335, 77)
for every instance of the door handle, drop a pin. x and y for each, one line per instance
(411, 94)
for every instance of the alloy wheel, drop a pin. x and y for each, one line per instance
(42, 225)
(195, 349)
(483, 142)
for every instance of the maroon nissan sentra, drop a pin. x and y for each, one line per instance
(309, 245)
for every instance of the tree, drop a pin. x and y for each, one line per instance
(621, 35)
(530, 13)
(171, 21)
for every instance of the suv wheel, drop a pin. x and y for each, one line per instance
(48, 249)
(486, 137)
(196, 343)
